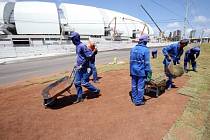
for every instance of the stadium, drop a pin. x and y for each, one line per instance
(22, 23)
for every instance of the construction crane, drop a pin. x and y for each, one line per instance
(116, 35)
(145, 25)
(161, 32)
(115, 24)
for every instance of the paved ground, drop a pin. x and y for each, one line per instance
(42, 66)
(111, 116)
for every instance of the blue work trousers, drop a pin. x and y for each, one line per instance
(138, 85)
(81, 80)
(169, 81)
(190, 60)
(154, 54)
(93, 71)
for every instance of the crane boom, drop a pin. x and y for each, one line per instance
(151, 18)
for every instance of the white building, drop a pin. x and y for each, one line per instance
(33, 20)
(36, 18)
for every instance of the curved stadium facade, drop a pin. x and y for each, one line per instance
(34, 28)
(33, 17)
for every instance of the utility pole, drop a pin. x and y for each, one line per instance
(201, 36)
(185, 19)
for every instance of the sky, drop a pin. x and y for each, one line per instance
(168, 14)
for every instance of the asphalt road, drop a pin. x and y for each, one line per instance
(26, 69)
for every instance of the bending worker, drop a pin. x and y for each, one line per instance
(82, 62)
(190, 57)
(140, 70)
(172, 54)
(154, 53)
(92, 65)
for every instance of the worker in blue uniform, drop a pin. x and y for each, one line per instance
(92, 65)
(173, 54)
(140, 70)
(154, 52)
(83, 55)
(190, 57)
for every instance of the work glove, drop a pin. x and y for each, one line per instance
(149, 76)
(95, 51)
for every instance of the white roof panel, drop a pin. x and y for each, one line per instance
(36, 18)
(86, 20)
(2, 5)
(124, 23)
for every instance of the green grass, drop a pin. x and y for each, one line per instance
(195, 120)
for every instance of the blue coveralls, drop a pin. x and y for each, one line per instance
(93, 70)
(139, 68)
(82, 63)
(154, 53)
(175, 52)
(190, 56)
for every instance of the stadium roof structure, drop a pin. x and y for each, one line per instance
(35, 17)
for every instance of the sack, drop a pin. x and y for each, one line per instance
(175, 70)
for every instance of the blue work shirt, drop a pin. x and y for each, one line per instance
(140, 61)
(83, 53)
(174, 51)
(192, 52)
(155, 50)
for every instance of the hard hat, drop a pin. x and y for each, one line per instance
(197, 48)
(91, 45)
(73, 34)
(144, 38)
(184, 42)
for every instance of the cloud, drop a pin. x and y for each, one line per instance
(174, 25)
(207, 32)
(201, 19)
(7, 0)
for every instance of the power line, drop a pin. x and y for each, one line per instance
(171, 11)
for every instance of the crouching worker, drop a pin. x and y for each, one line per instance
(83, 55)
(172, 54)
(140, 70)
(154, 53)
(92, 66)
(190, 57)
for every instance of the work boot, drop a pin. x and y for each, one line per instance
(79, 99)
(173, 86)
(139, 104)
(169, 87)
(98, 92)
(96, 81)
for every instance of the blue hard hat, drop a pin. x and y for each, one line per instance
(73, 34)
(197, 48)
(144, 38)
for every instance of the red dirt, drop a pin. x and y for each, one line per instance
(111, 116)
